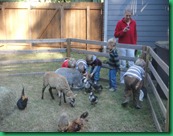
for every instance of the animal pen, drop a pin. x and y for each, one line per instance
(147, 53)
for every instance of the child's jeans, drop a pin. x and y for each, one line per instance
(96, 75)
(112, 78)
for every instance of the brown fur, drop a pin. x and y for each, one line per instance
(73, 126)
(58, 82)
(132, 87)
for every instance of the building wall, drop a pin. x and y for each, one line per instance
(152, 18)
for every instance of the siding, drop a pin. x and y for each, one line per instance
(152, 18)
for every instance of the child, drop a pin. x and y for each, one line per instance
(113, 63)
(133, 79)
(69, 63)
(82, 66)
(95, 64)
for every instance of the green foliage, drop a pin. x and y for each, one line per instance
(54, 1)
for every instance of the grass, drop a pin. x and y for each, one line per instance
(42, 115)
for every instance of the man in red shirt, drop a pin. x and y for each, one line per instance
(126, 33)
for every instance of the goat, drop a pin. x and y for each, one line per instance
(93, 98)
(77, 124)
(22, 102)
(58, 82)
(89, 86)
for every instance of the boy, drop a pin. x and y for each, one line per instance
(133, 79)
(113, 63)
(82, 66)
(69, 63)
(95, 64)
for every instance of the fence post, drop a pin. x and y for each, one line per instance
(68, 47)
(167, 117)
(145, 56)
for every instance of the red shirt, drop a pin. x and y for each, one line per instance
(129, 37)
(65, 64)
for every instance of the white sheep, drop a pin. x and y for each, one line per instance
(58, 82)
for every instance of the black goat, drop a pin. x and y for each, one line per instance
(90, 86)
(93, 98)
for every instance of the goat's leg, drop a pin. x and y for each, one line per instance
(60, 99)
(44, 87)
(50, 91)
(64, 97)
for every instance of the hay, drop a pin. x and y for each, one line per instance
(7, 102)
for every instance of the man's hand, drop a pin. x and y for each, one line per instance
(126, 29)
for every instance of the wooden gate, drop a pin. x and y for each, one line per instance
(26, 20)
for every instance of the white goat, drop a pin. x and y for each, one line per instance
(58, 82)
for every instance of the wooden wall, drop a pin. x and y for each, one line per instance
(24, 20)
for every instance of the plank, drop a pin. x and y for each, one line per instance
(12, 62)
(34, 41)
(159, 80)
(159, 100)
(32, 51)
(154, 115)
(159, 61)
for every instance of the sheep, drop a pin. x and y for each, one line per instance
(73, 76)
(58, 82)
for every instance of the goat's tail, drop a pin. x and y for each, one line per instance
(84, 115)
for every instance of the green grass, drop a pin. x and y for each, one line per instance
(42, 115)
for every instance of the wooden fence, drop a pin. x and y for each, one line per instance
(147, 53)
(35, 20)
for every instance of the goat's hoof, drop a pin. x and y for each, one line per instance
(138, 107)
(124, 104)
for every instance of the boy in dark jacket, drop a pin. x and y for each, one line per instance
(95, 64)
(113, 63)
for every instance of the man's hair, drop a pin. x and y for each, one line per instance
(128, 10)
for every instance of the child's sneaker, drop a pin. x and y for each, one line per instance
(112, 89)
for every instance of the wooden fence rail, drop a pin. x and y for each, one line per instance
(147, 52)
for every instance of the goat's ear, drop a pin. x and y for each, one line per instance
(75, 95)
